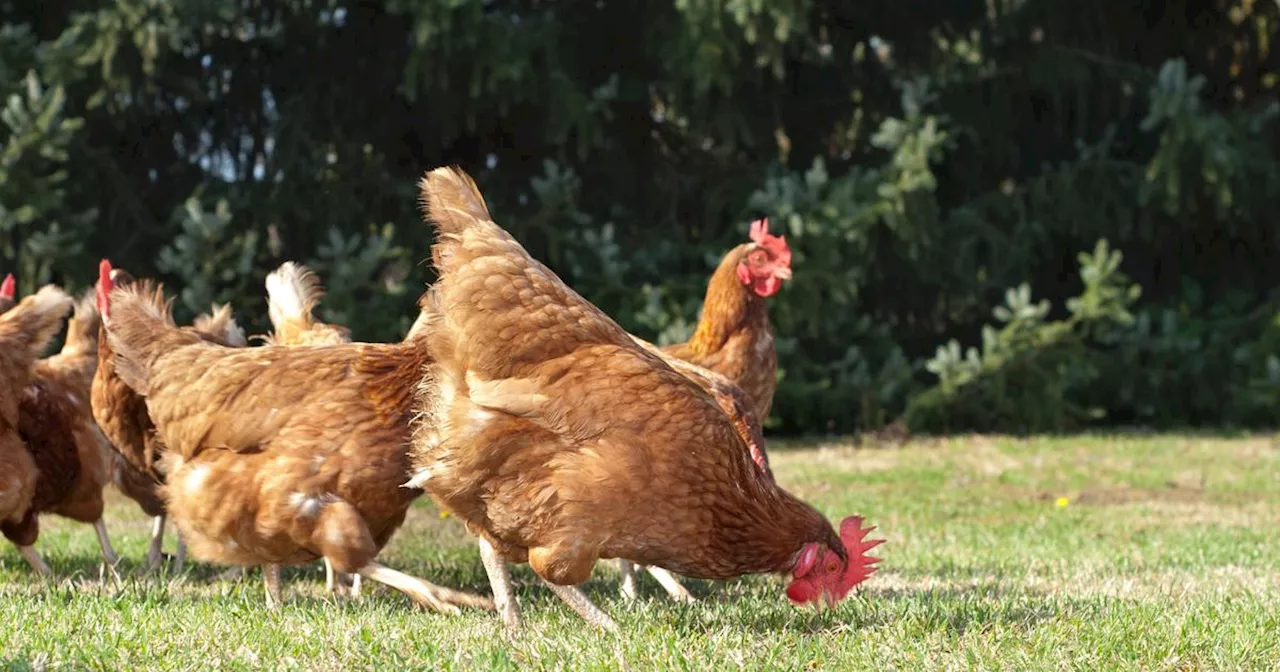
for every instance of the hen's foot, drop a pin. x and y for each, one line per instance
(37, 563)
(578, 600)
(672, 585)
(425, 593)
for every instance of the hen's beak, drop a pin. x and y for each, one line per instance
(782, 273)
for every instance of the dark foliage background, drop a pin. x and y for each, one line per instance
(937, 165)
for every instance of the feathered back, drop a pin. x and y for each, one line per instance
(465, 233)
(141, 330)
(219, 326)
(28, 327)
(82, 328)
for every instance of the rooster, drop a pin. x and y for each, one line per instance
(122, 415)
(279, 455)
(68, 454)
(559, 440)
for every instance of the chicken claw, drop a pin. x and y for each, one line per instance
(669, 581)
(33, 558)
(109, 557)
(436, 598)
(500, 582)
(578, 600)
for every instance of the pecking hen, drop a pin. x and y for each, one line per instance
(559, 440)
(734, 341)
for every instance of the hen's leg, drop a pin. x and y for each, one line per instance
(155, 552)
(33, 558)
(437, 598)
(500, 581)
(108, 553)
(180, 558)
(578, 600)
(271, 578)
(630, 585)
(336, 582)
(109, 557)
(669, 581)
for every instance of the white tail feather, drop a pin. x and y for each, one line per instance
(292, 293)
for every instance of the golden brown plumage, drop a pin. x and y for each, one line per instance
(122, 413)
(560, 440)
(293, 291)
(55, 422)
(25, 331)
(734, 337)
(278, 455)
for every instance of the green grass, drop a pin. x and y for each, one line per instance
(1166, 555)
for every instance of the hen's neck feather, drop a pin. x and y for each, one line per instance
(729, 306)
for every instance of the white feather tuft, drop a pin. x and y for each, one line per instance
(292, 293)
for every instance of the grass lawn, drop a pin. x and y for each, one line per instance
(1099, 552)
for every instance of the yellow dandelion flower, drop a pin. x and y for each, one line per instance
(1063, 502)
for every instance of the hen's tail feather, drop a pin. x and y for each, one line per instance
(293, 291)
(220, 324)
(450, 200)
(141, 330)
(34, 322)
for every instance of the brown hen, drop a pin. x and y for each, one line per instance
(122, 415)
(735, 340)
(25, 331)
(734, 337)
(278, 456)
(559, 440)
(70, 455)
(293, 291)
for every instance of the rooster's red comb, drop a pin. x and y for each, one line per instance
(776, 245)
(8, 288)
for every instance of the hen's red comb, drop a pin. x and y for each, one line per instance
(776, 245)
(8, 288)
(103, 291)
(861, 566)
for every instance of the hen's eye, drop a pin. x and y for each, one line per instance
(757, 258)
(833, 567)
